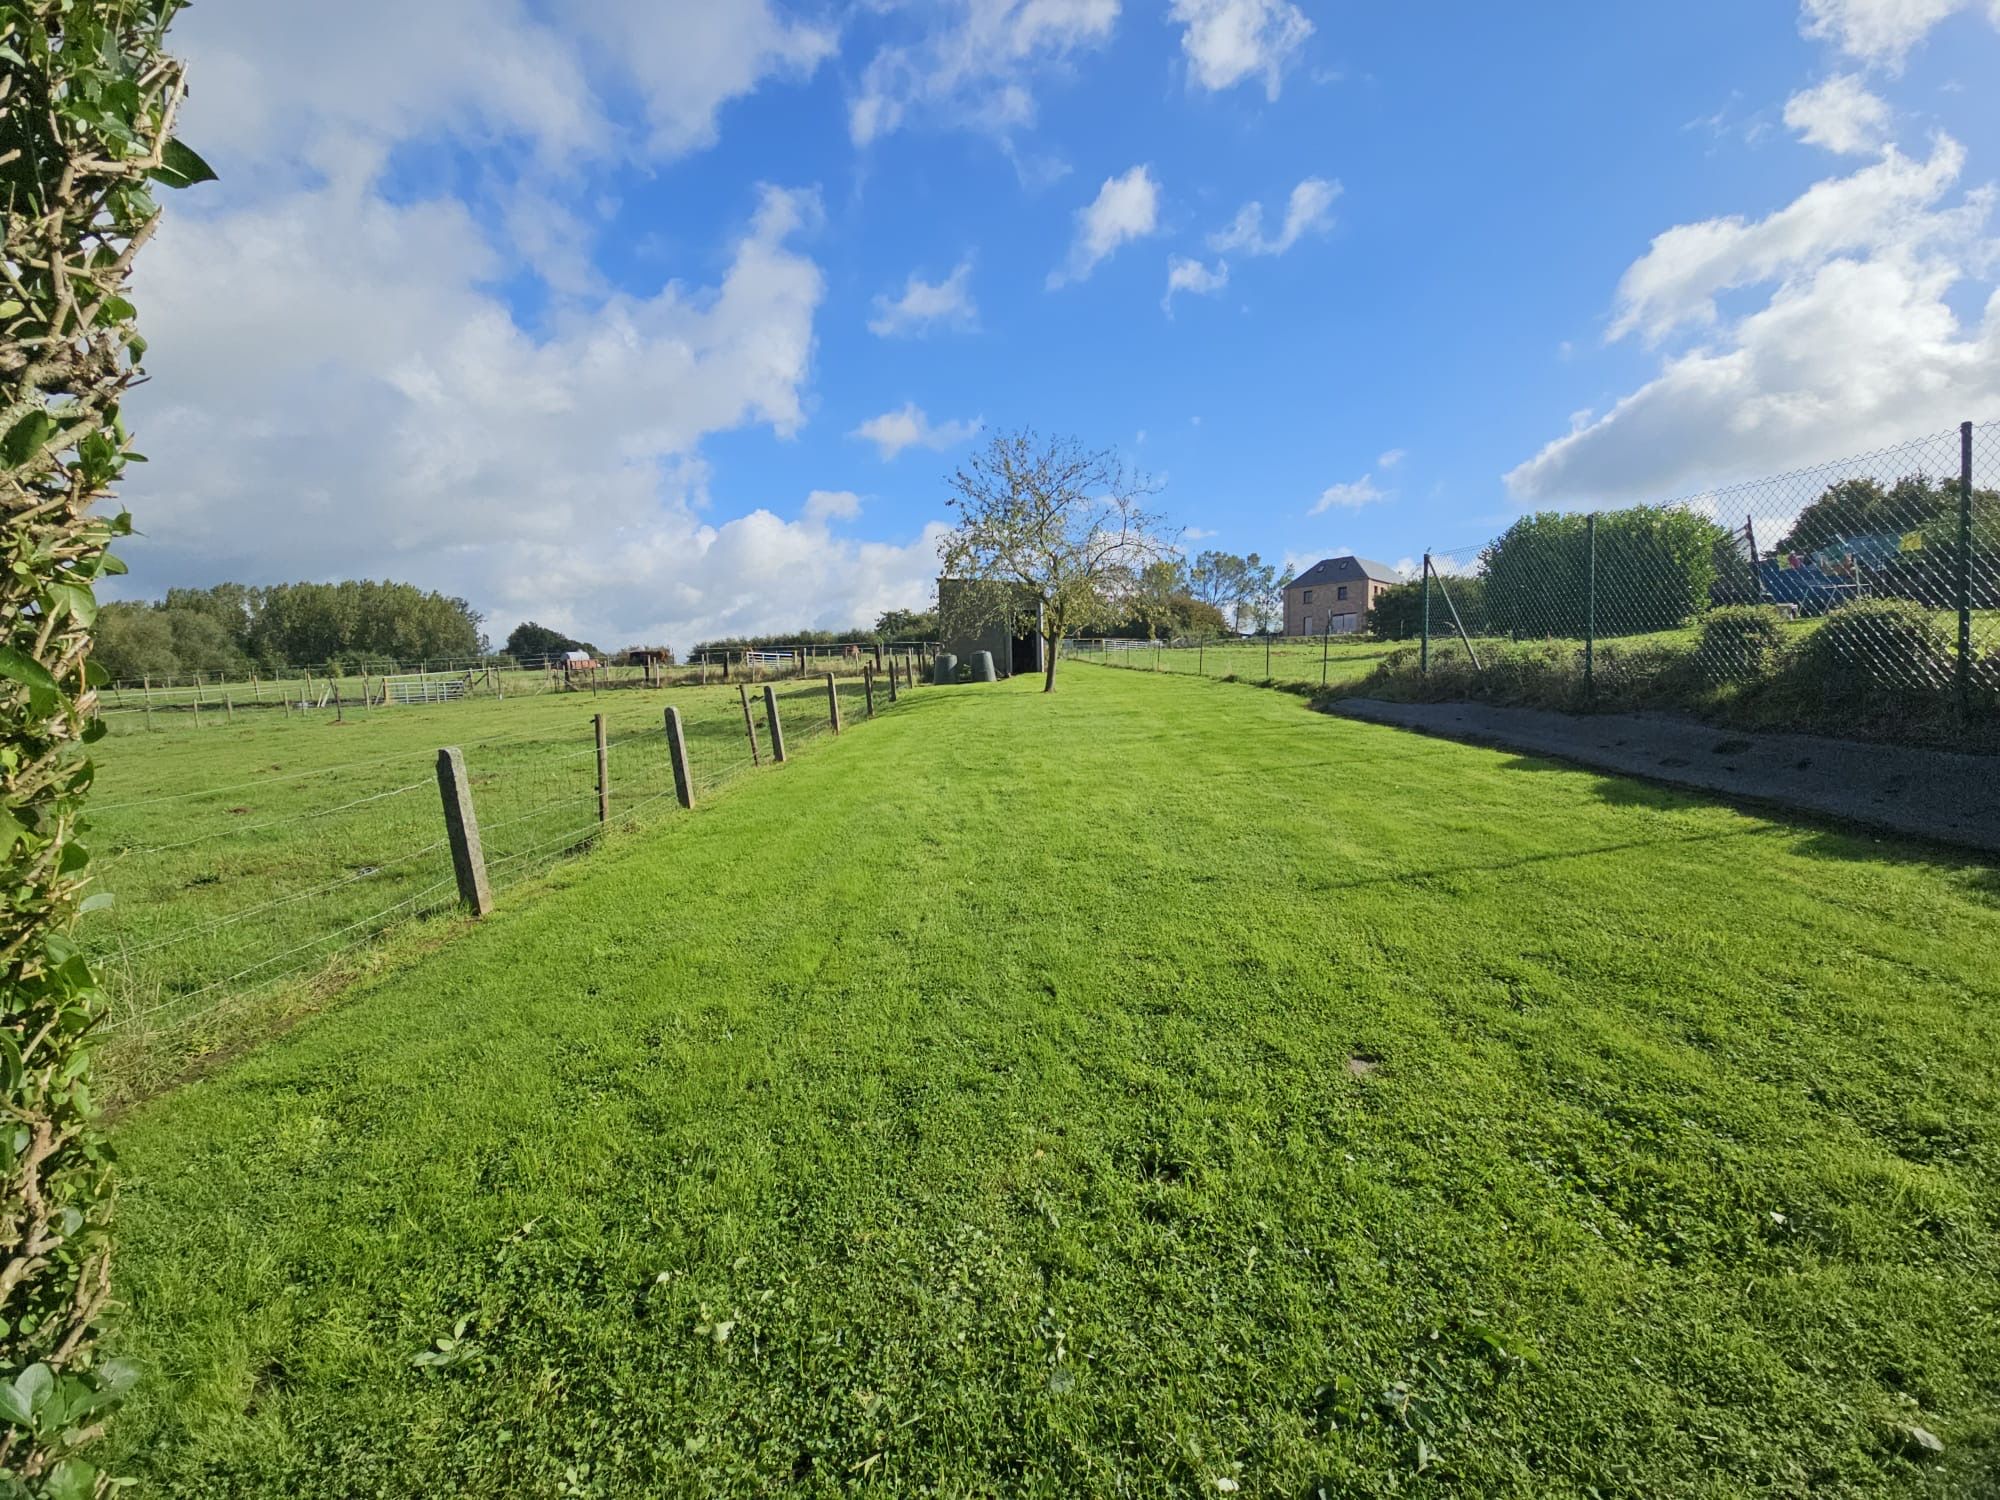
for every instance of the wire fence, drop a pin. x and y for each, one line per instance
(194, 700)
(216, 907)
(1868, 586)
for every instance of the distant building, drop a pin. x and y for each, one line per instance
(1333, 596)
(1005, 619)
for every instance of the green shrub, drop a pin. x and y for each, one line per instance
(1875, 644)
(1740, 640)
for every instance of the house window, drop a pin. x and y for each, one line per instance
(1341, 592)
(1309, 596)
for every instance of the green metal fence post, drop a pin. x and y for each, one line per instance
(1267, 651)
(1964, 675)
(1424, 658)
(1590, 608)
(1325, 641)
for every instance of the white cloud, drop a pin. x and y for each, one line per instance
(1839, 114)
(1192, 276)
(925, 305)
(1883, 205)
(1228, 41)
(1881, 31)
(977, 68)
(1126, 208)
(894, 431)
(278, 79)
(339, 390)
(832, 505)
(1308, 211)
(1350, 496)
(1390, 459)
(1857, 346)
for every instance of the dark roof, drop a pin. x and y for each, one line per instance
(1345, 570)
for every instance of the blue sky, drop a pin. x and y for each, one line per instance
(602, 313)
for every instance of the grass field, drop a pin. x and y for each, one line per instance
(243, 855)
(1299, 662)
(1151, 1090)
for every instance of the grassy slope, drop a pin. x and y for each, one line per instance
(969, 1106)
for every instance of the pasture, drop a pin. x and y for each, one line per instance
(1157, 1089)
(241, 854)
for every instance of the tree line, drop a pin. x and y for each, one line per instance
(238, 628)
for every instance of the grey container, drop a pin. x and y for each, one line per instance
(944, 671)
(982, 667)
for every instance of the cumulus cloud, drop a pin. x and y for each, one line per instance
(340, 389)
(1185, 274)
(1350, 496)
(1887, 204)
(1126, 208)
(1857, 346)
(279, 79)
(926, 305)
(1839, 114)
(1882, 31)
(976, 68)
(1308, 211)
(908, 427)
(1229, 41)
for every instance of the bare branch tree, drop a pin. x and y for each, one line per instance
(1057, 523)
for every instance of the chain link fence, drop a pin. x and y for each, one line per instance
(1866, 589)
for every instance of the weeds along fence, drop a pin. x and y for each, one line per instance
(224, 908)
(1858, 594)
(205, 699)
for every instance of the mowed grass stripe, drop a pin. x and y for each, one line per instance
(1115, 1093)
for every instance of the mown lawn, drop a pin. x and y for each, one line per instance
(1150, 1090)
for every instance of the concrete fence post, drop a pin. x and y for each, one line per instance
(773, 724)
(461, 826)
(677, 748)
(749, 724)
(603, 770)
(832, 704)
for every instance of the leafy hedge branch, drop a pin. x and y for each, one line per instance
(88, 99)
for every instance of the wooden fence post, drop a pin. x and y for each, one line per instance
(461, 826)
(832, 704)
(603, 771)
(892, 679)
(868, 688)
(771, 722)
(677, 747)
(749, 724)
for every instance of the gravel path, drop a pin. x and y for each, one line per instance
(1931, 794)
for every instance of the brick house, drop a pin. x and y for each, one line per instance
(1333, 596)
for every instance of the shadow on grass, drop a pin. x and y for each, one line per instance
(1816, 835)
(1526, 861)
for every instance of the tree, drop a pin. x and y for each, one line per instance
(1656, 569)
(87, 108)
(906, 625)
(1159, 594)
(1241, 587)
(531, 642)
(1064, 528)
